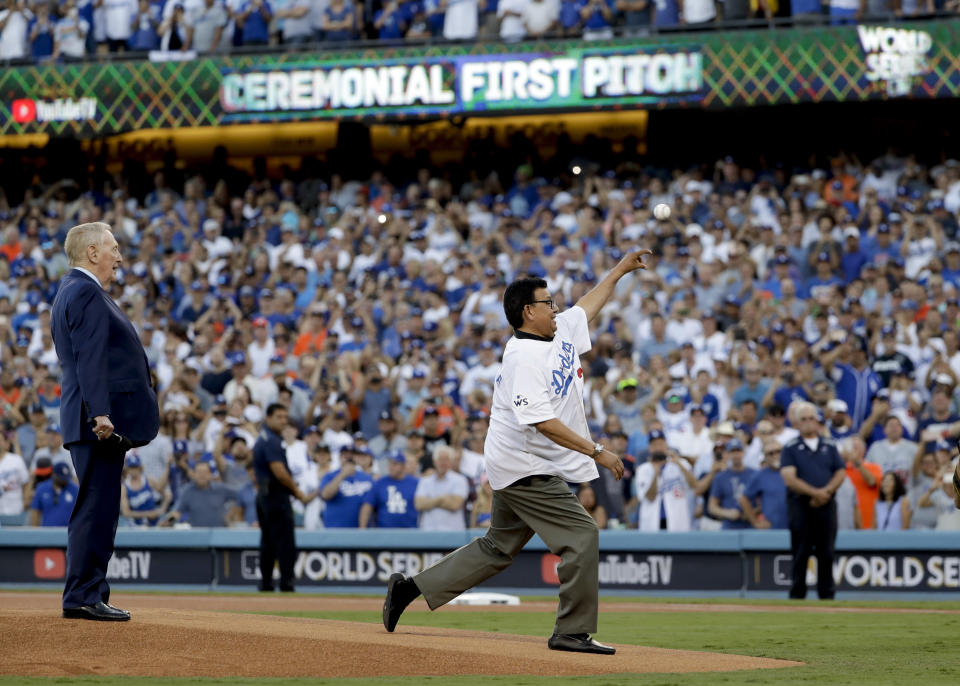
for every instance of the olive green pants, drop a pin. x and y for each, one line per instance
(543, 505)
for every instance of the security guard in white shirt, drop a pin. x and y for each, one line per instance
(538, 441)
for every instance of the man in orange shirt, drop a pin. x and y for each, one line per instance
(865, 477)
(313, 334)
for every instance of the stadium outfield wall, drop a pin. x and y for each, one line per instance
(746, 563)
(711, 70)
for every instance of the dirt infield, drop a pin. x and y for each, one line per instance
(181, 636)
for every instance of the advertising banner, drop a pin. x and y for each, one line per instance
(530, 569)
(880, 571)
(712, 69)
(127, 566)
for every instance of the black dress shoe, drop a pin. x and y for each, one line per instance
(579, 643)
(264, 588)
(126, 612)
(99, 612)
(401, 591)
(287, 588)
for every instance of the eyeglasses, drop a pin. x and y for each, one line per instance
(772, 452)
(549, 303)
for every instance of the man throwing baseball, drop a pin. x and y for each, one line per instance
(538, 441)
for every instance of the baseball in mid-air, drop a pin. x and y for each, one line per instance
(662, 211)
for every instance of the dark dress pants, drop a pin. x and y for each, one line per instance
(93, 523)
(813, 531)
(277, 544)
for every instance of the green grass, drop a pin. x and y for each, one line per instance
(838, 648)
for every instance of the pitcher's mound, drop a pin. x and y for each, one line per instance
(179, 643)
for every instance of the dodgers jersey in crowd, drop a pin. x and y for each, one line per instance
(539, 380)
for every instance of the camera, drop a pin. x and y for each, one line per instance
(739, 334)
(658, 457)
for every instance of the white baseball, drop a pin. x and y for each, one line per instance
(662, 211)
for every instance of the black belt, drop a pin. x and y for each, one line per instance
(528, 480)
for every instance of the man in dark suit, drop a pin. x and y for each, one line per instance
(107, 406)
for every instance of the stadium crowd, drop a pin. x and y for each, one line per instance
(372, 309)
(73, 29)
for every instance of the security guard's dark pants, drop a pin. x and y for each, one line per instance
(93, 522)
(275, 515)
(813, 531)
(537, 504)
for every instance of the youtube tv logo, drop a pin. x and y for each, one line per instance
(24, 110)
(548, 569)
(49, 563)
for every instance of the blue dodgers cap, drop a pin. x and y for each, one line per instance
(732, 445)
(781, 259)
(655, 434)
(888, 330)
(237, 358)
(134, 461)
(397, 456)
(823, 256)
(61, 470)
(418, 374)
(883, 228)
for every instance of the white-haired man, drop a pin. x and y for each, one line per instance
(107, 406)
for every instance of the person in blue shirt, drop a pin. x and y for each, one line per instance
(823, 281)
(40, 32)
(812, 470)
(338, 21)
(253, 18)
(855, 380)
(787, 388)
(764, 501)
(344, 490)
(146, 23)
(666, 13)
(597, 16)
(390, 501)
(728, 486)
(53, 500)
(391, 21)
(853, 257)
(951, 266)
(138, 501)
(753, 388)
(882, 245)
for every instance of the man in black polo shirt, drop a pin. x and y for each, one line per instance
(274, 512)
(812, 470)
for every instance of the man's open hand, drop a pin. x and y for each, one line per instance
(612, 462)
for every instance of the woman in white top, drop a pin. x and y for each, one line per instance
(892, 509)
